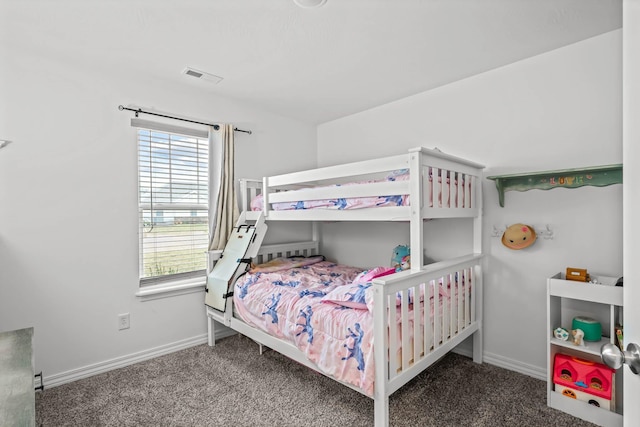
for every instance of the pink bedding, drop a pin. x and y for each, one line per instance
(323, 308)
(288, 304)
(343, 203)
(444, 199)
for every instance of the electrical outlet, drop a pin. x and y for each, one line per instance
(123, 321)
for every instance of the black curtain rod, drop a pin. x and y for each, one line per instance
(140, 111)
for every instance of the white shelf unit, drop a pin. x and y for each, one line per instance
(565, 300)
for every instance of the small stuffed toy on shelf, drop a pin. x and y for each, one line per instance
(577, 336)
(401, 258)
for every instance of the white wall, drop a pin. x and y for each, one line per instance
(558, 110)
(68, 204)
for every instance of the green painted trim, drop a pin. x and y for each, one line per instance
(597, 176)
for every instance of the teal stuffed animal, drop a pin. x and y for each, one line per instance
(401, 258)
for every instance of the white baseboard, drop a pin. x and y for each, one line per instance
(515, 365)
(506, 363)
(118, 362)
(222, 332)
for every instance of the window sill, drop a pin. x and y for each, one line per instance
(178, 287)
(172, 289)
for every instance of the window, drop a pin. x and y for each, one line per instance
(173, 189)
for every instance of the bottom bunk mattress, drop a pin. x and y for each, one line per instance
(324, 309)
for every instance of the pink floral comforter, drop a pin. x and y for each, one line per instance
(289, 304)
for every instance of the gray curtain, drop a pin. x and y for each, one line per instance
(224, 212)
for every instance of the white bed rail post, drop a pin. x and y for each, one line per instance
(265, 197)
(245, 196)
(477, 248)
(212, 257)
(381, 340)
(477, 295)
(417, 203)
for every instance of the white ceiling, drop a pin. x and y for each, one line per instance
(310, 64)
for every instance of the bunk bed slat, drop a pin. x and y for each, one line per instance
(426, 323)
(437, 330)
(406, 346)
(417, 324)
(460, 295)
(467, 301)
(393, 338)
(452, 306)
(462, 182)
(472, 312)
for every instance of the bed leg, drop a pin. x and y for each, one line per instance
(477, 346)
(381, 411)
(211, 331)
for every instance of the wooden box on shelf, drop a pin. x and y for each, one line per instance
(567, 299)
(577, 274)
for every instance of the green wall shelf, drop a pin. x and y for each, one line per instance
(598, 176)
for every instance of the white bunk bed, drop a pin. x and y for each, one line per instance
(438, 186)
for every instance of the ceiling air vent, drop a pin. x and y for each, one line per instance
(202, 75)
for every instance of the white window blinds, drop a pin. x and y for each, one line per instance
(173, 205)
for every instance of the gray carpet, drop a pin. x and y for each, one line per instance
(232, 384)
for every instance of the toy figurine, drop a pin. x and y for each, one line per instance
(561, 334)
(577, 336)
